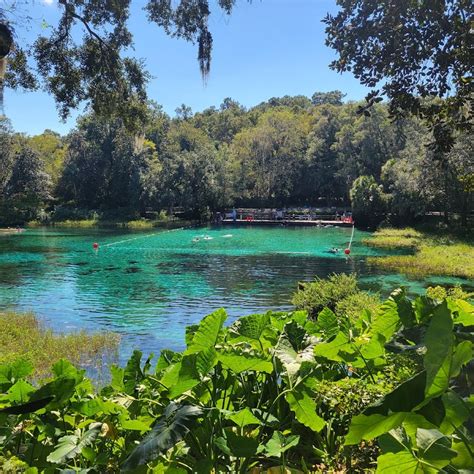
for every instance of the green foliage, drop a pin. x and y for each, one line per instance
(339, 293)
(23, 337)
(368, 200)
(269, 390)
(283, 152)
(435, 254)
(83, 55)
(405, 238)
(441, 293)
(408, 58)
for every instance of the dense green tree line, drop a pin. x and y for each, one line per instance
(283, 152)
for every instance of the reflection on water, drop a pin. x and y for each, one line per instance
(148, 286)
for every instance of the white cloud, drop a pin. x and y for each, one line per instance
(49, 2)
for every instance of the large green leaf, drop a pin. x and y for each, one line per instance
(304, 408)
(61, 389)
(439, 341)
(434, 447)
(205, 361)
(116, 375)
(291, 358)
(423, 307)
(370, 427)
(10, 373)
(402, 462)
(456, 412)
(388, 321)
(250, 328)
(20, 392)
(236, 445)
(464, 312)
(412, 422)
(170, 428)
(64, 368)
(167, 357)
(243, 418)
(463, 354)
(464, 458)
(336, 350)
(133, 374)
(70, 446)
(208, 331)
(279, 443)
(97, 405)
(405, 309)
(328, 323)
(241, 361)
(405, 397)
(181, 376)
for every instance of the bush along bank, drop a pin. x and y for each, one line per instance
(389, 390)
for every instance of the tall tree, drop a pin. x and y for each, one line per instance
(28, 186)
(412, 51)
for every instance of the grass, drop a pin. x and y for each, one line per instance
(138, 224)
(82, 223)
(22, 336)
(395, 238)
(434, 253)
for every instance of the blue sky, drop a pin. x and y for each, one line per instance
(267, 48)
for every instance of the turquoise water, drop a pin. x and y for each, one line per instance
(148, 286)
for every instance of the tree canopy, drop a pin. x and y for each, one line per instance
(275, 155)
(84, 57)
(414, 52)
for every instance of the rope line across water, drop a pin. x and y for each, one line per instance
(141, 237)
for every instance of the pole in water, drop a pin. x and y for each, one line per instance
(95, 246)
(347, 251)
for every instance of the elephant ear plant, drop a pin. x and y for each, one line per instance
(389, 390)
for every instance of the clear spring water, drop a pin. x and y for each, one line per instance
(149, 285)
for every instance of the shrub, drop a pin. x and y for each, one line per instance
(315, 296)
(353, 305)
(441, 293)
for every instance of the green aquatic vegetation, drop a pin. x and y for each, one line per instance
(433, 254)
(137, 224)
(22, 336)
(406, 238)
(81, 223)
(453, 259)
(271, 391)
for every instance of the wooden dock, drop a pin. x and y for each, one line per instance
(288, 222)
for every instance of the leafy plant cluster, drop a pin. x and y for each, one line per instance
(338, 292)
(390, 390)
